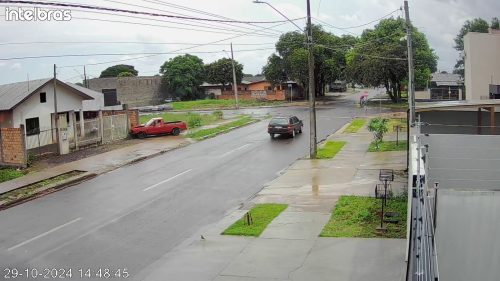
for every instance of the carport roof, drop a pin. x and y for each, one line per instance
(455, 105)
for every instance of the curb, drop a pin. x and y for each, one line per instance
(51, 188)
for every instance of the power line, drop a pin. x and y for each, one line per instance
(183, 49)
(364, 24)
(124, 54)
(126, 42)
(99, 8)
(155, 9)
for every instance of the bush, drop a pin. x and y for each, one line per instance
(218, 114)
(378, 126)
(194, 120)
(9, 174)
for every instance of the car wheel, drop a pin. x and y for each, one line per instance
(300, 130)
(141, 135)
(272, 136)
(176, 131)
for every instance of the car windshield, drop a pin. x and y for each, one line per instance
(151, 122)
(279, 121)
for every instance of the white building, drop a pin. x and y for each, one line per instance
(31, 104)
(482, 65)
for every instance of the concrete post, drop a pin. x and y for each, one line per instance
(25, 150)
(73, 123)
(101, 125)
(82, 123)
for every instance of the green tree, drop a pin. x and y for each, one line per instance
(495, 23)
(475, 25)
(182, 76)
(291, 59)
(114, 71)
(379, 127)
(126, 74)
(221, 72)
(379, 58)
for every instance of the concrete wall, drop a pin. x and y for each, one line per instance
(467, 162)
(467, 235)
(482, 63)
(134, 91)
(456, 122)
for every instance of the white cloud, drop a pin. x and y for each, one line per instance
(16, 66)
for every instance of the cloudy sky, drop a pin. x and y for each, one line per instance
(104, 33)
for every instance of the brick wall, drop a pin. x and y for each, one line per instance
(12, 147)
(133, 115)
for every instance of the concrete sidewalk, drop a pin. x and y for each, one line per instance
(290, 248)
(102, 163)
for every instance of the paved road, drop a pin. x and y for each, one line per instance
(132, 216)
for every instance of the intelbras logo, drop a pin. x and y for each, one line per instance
(36, 14)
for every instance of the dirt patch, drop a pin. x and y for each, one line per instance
(45, 162)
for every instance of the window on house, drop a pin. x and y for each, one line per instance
(269, 88)
(32, 126)
(110, 97)
(43, 97)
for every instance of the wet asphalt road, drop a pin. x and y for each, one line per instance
(132, 216)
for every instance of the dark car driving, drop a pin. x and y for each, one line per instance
(285, 126)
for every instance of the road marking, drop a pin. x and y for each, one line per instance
(167, 180)
(234, 150)
(42, 235)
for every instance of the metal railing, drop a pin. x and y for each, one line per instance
(423, 250)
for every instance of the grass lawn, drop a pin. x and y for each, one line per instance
(357, 216)
(397, 121)
(206, 119)
(388, 146)
(355, 125)
(330, 149)
(204, 104)
(262, 215)
(9, 174)
(200, 134)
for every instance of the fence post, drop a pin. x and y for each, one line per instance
(1, 146)
(23, 144)
(101, 125)
(75, 132)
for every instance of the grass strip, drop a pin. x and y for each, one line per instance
(357, 216)
(206, 119)
(330, 149)
(32, 189)
(388, 146)
(262, 215)
(8, 174)
(355, 125)
(205, 104)
(201, 134)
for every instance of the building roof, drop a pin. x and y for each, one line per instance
(446, 79)
(253, 79)
(13, 94)
(454, 105)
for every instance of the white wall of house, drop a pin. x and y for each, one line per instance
(32, 107)
(482, 63)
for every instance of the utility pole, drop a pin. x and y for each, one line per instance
(312, 91)
(411, 75)
(85, 83)
(235, 86)
(56, 114)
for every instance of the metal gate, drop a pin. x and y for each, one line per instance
(114, 128)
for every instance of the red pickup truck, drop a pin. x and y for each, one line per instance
(156, 126)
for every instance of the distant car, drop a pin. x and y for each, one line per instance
(285, 126)
(338, 86)
(156, 126)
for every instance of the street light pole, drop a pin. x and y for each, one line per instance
(235, 86)
(312, 91)
(411, 86)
